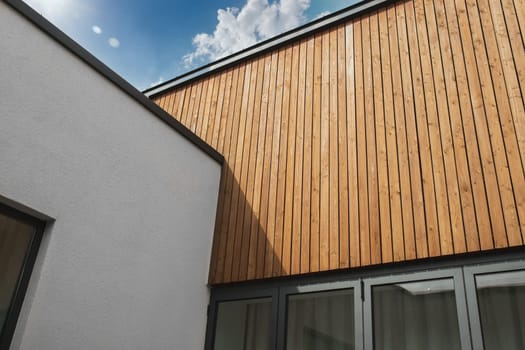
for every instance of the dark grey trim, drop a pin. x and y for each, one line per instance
(104, 70)
(450, 261)
(13, 312)
(470, 289)
(25, 209)
(270, 44)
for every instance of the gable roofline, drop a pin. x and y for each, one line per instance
(273, 43)
(72, 46)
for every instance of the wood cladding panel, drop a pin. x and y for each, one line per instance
(397, 135)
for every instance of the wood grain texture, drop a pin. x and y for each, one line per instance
(397, 135)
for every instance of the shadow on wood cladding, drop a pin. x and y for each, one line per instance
(247, 252)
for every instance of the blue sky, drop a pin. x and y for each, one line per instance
(148, 42)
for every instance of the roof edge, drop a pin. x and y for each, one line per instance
(72, 46)
(269, 44)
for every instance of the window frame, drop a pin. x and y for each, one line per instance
(459, 291)
(460, 268)
(287, 291)
(15, 306)
(470, 273)
(238, 294)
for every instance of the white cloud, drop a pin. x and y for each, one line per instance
(321, 15)
(114, 42)
(159, 81)
(96, 29)
(237, 29)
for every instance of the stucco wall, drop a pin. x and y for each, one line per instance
(125, 264)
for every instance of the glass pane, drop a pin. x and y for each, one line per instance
(15, 237)
(415, 316)
(321, 321)
(244, 325)
(501, 300)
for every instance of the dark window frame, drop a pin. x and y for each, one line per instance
(461, 268)
(287, 291)
(459, 290)
(13, 312)
(470, 273)
(238, 294)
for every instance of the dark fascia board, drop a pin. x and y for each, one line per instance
(116, 79)
(371, 271)
(7, 202)
(262, 47)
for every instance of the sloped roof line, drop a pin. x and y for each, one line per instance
(55, 33)
(345, 14)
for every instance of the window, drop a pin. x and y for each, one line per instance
(497, 305)
(322, 320)
(243, 324)
(20, 237)
(443, 307)
(416, 311)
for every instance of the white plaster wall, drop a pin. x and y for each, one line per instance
(125, 264)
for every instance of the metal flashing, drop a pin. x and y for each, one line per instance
(116, 79)
(269, 44)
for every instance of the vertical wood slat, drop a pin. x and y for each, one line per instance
(316, 157)
(286, 261)
(393, 136)
(353, 191)
(342, 142)
(364, 237)
(324, 204)
(296, 229)
(306, 204)
(333, 177)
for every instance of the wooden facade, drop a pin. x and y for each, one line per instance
(394, 136)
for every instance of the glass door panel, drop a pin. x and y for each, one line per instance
(321, 321)
(244, 325)
(415, 315)
(501, 304)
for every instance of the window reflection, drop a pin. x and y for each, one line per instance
(244, 325)
(416, 315)
(321, 321)
(15, 238)
(501, 301)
